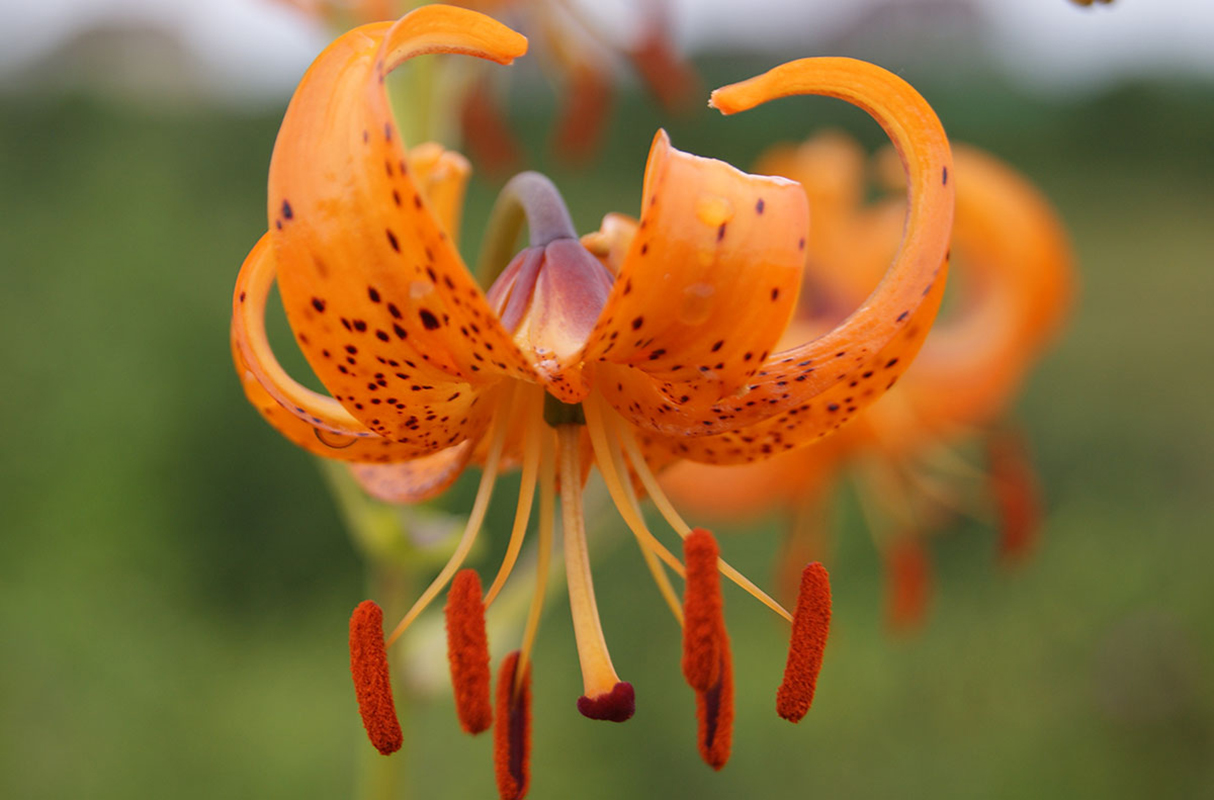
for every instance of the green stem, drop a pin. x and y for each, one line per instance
(375, 527)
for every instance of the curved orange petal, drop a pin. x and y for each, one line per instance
(310, 433)
(850, 243)
(365, 267)
(1019, 281)
(805, 393)
(710, 279)
(442, 177)
(415, 480)
(610, 243)
(420, 418)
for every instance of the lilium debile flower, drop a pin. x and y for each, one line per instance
(643, 343)
(1018, 282)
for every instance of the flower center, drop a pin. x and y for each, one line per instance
(550, 295)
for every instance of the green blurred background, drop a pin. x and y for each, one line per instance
(175, 581)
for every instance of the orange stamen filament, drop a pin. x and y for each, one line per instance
(810, 626)
(666, 508)
(526, 495)
(610, 461)
(543, 551)
(599, 677)
(480, 505)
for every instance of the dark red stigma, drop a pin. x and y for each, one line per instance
(618, 705)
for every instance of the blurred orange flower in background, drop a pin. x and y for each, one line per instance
(1014, 286)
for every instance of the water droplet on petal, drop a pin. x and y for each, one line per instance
(713, 210)
(697, 303)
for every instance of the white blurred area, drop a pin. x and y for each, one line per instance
(254, 51)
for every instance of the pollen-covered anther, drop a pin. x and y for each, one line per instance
(468, 652)
(512, 737)
(714, 711)
(810, 626)
(703, 620)
(618, 705)
(372, 681)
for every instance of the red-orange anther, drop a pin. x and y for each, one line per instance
(703, 620)
(910, 585)
(372, 682)
(512, 736)
(714, 710)
(468, 652)
(1017, 496)
(810, 626)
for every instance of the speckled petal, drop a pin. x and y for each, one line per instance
(407, 418)
(442, 177)
(416, 480)
(308, 433)
(805, 393)
(366, 269)
(1019, 284)
(711, 277)
(610, 243)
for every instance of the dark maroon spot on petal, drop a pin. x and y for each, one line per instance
(428, 319)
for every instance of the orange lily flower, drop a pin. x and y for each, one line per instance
(1017, 284)
(661, 344)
